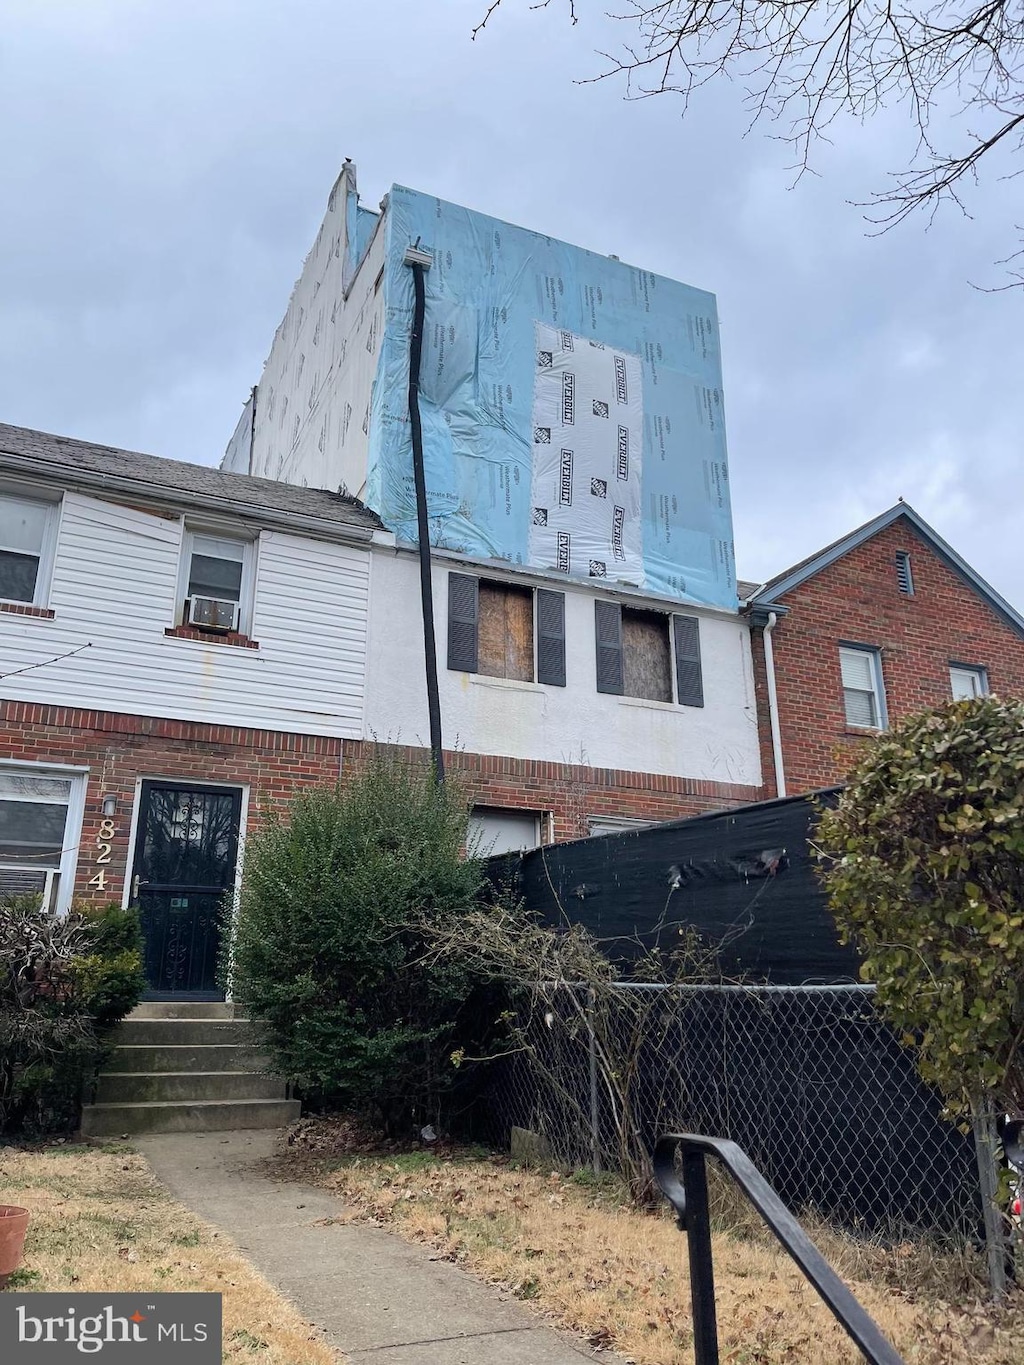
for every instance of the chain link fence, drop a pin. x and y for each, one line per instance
(808, 1080)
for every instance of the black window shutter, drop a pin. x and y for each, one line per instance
(463, 598)
(608, 620)
(689, 681)
(551, 637)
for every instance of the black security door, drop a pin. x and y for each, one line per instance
(185, 855)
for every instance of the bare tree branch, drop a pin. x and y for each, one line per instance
(806, 62)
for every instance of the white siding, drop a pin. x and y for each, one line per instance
(114, 592)
(573, 724)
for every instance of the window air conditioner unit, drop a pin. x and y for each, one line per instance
(213, 613)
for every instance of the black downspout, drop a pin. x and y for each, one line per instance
(252, 428)
(423, 530)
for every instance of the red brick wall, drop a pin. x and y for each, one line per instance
(572, 793)
(764, 734)
(119, 749)
(857, 600)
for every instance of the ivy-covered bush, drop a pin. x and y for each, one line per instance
(923, 862)
(65, 981)
(329, 952)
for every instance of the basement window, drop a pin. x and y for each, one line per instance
(494, 830)
(598, 825)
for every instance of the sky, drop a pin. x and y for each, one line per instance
(164, 170)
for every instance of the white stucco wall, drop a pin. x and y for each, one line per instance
(573, 724)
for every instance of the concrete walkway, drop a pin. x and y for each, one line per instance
(379, 1298)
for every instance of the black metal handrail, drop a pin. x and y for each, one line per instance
(689, 1198)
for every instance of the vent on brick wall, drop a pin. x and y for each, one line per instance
(904, 577)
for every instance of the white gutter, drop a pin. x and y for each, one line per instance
(773, 704)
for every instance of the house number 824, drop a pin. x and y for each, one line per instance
(103, 852)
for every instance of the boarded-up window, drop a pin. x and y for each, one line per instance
(634, 654)
(505, 640)
(646, 655)
(491, 630)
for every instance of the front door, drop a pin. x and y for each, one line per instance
(184, 867)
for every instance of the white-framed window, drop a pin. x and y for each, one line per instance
(967, 681)
(863, 691)
(28, 531)
(496, 830)
(613, 824)
(217, 581)
(40, 823)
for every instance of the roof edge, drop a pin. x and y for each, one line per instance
(38, 466)
(771, 591)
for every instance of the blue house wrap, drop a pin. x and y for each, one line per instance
(572, 407)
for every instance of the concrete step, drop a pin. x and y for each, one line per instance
(127, 1087)
(198, 1116)
(186, 1057)
(164, 1032)
(180, 1066)
(183, 1009)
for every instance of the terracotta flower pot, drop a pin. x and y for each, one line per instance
(13, 1225)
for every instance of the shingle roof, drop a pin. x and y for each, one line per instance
(176, 480)
(745, 589)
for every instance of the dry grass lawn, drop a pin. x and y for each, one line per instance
(619, 1277)
(101, 1222)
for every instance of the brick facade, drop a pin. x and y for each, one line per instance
(572, 793)
(119, 749)
(857, 600)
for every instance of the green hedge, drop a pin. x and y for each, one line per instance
(330, 951)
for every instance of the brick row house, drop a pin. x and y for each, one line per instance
(883, 622)
(137, 743)
(182, 646)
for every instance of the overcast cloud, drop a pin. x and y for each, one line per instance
(164, 170)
